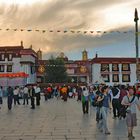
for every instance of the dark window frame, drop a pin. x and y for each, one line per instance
(128, 78)
(113, 67)
(3, 68)
(1, 57)
(107, 76)
(11, 68)
(9, 57)
(138, 67)
(113, 79)
(128, 67)
(102, 68)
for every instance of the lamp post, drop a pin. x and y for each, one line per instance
(136, 43)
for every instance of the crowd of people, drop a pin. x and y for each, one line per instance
(27, 92)
(120, 99)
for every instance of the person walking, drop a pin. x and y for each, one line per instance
(131, 101)
(10, 97)
(16, 96)
(37, 94)
(98, 93)
(85, 100)
(1, 95)
(70, 90)
(104, 100)
(79, 92)
(64, 91)
(32, 96)
(25, 95)
(123, 93)
(115, 95)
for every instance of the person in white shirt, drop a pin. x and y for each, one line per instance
(37, 94)
(85, 100)
(16, 96)
(25, 95)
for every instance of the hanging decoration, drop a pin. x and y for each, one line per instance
(13, 75)
(85, 32)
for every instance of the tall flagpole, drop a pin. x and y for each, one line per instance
(136, 42)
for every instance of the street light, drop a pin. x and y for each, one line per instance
(136, 42)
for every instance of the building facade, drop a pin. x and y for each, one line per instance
(17, 65)
(78, 71)
(21, 66)
(114, 70)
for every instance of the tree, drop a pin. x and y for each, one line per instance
(56, 71)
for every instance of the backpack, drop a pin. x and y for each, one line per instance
(123, 109)
(99, 103)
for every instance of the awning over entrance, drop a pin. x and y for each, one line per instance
(13, 75)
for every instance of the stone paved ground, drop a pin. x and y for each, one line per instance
(57, 120)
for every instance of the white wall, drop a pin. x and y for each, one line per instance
(16, 65)
(27, 58)
(133, 74)
(95, 72)
(27, 69)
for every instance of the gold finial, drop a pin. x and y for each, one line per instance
(31, 46)
(84, 55)
(21, 43)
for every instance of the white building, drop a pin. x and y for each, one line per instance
(17, 66)
(114, 70)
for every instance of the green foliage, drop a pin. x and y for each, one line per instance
(56, 71)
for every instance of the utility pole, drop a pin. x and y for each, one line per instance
(136, 43)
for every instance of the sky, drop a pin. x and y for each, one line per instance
(76, 15)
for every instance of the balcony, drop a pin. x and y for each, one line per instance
(27, 59)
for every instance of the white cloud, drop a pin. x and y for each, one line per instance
(66, 15)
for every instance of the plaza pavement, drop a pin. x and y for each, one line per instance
(57, 120)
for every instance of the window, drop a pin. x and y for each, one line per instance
(139, 67)
(10, 57)
(32, 69)
(9, 68)
(104, 67)
(126, 78)
(2, 57)
(1, 68)
(125, 67)
(105, 77)
(115, 67)
(115, 78)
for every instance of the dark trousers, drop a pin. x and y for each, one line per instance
(32, 102)
(49, 95)
(116, 107)
(1, 101)
(46, 97)
(65, 97)
(79, 97)
(98, 116)
(9, 102)
(37, 99)
(16, 100)
(25, 98)
(85, 106)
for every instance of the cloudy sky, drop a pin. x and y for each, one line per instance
(76, 15)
